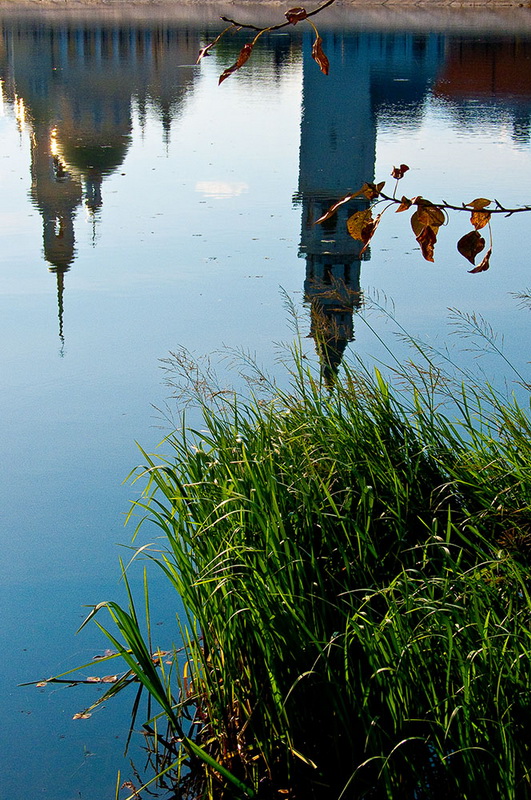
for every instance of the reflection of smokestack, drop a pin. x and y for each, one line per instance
(338, 140)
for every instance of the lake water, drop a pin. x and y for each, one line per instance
(145, 208)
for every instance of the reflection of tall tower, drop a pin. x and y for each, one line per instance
(372, 77)
(77, 81)
(336, 156)
(57, 195)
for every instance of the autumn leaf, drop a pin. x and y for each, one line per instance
(205, 51)
(243, 56)
(369, 231)
(479, 203)
(399, 172)
(416, 224)
(319, 56)
(358, 221)
(295, 15)
(427, 238)
(405, 203)
(362, 226)
(332, 210)
(428, 214)
(470, 245)
(479, 219)
(485, 264)
(372, 190)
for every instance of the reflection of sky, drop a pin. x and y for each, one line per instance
(166, 263)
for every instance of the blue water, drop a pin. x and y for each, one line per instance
(145, 208)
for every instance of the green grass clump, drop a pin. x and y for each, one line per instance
(354, 567)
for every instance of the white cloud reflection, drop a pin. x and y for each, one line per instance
(221, 190)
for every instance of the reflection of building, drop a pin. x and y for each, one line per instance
(73, 85)
(480, 75)
(369, 74)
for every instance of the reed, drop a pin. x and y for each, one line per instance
(354, 565)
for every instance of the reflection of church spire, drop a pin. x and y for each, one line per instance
(60, 306)
(336, 155)
(56, 194)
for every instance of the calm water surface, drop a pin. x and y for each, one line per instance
(143, 208)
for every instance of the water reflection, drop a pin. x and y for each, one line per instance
(479, 76)
(370, 76)
(87, 93)
(74, 86)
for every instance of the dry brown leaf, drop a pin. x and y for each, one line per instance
(372, 190)
(243, 56)
(295, 15)
(485, 264)
(427, 238)
(332, 210)
(479, 203)
(399, 172)
(479, 219)
(405, 203)
(470, 245)
(358, 221)
(319, 56)
(428, 214)
(368, 232)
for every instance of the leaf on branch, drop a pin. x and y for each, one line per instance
(358, 222)
(332, 210)
(405, 203)
(427, 238)
(428, 214)
(205, 51)
(479, 203)
(399, 172)
(362, 226)
(369, 231)
(470, 245)
(295, 15)
(485, 264)
(479, 219)
(243, 56)
(372, 190)
(319, 56)
(416, 224)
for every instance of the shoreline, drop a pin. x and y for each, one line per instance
(473, 16)
(452, 17)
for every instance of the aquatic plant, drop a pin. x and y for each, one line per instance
(354, 566)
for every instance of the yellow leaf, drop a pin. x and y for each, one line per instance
(358, 221)
(479, 219)
(479, 203)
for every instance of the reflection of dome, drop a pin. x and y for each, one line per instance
(104, 159)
